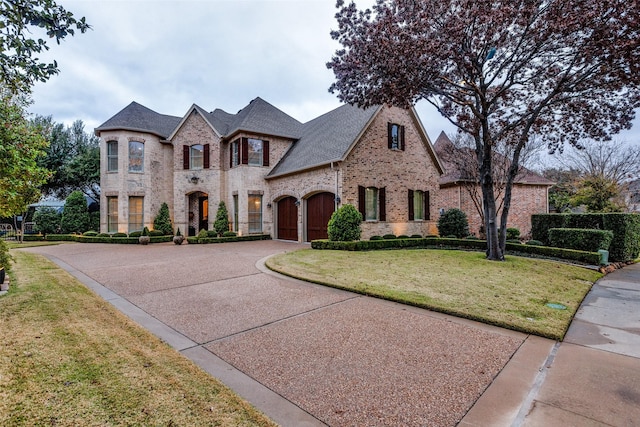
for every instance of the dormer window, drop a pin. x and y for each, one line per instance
(395, 136)
(249, 151)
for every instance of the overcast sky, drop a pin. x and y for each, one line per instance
(168, 55)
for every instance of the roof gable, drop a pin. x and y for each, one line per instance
(258, 117)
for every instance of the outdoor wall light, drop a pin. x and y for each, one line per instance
(297, 203)
(195, 179)
(269, 205)
(338, 199)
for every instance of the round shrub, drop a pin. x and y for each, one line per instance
(344, 225)
(453, 222)
(203, 234)
(403, 236)
(416, 236)
(375, 238)
(47, 220)
(229, 234)
(104, 235)
(512, 233)
(90, 233)
(119, 235)
(535, 243)
(211, 233)
(389, 236)
(135, 234)
(157, 233)
(513, 241)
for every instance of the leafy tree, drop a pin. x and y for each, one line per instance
(344, 225)
(503, 72)
(597, 194)
(20, 148)
(221, 223)
(73, 156)
(453, 222)
(75, 216)
(47, 220)
(564, 188)
(162, 222)
(21, 21)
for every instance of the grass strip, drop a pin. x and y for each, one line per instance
(512, 294)
(70, 359)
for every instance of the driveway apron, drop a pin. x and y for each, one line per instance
(306, 354)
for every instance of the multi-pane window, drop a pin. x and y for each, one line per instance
(136, 156)
(112, 156)
(235, 153)
(372, 203)
(419, 205)
(254, 152)
(255, 213)
(196, 156)
(112, 214)
(136, 216)
(395, 137)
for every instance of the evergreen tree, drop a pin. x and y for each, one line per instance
(75, 216)
(162, 222)
(222, 219)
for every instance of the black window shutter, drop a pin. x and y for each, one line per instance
(265, 153)
(205, 159)
(427, 205)
(401, 137)
(382, 199)
(411, 214)
(361, 202)
(185, 156)
(244, 151)
(230, 155)
(389, 136)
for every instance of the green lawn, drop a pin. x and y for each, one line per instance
(70, 359)
(513, 294)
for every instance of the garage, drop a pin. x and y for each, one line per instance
(287, 219)
(319, 209)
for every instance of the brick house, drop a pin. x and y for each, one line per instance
(275, 174)
(529, 194)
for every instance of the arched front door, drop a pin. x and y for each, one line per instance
(319, 209)
(288, 219)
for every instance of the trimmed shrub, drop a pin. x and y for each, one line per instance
(90, 233)
(103, 235)
(5, 257)
(119, 235)
(535, 243)
(344, 224)
(221, 224)
(403, 236)
(375, 238)
(134, 234)
(389, 236)
(453, 222)
(515, 241)
(229, 234)
(580, 238)
(203, 234)
(416, 236)
(513, 233)
(145, 231)
(157, 233)
(47, 220)
(75, 216)
(162, 221)
(541, 223)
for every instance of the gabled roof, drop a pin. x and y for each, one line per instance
(445, 149)
(325, 139)
(136, 117)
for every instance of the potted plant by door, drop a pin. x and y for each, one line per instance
(178, 238)
(144, 239)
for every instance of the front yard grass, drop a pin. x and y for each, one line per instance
(513, 294)
(70, 359)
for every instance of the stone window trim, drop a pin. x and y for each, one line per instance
(395, 137)
(136, 161)
(112, 157)
(240, 154)
(381, 203)
(111, 194)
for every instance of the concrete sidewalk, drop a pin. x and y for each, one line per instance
(308, 355)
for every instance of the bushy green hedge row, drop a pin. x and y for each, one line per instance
(625, 245)
(582, 239)
(592, 258)
(93, 238)
(204, 240)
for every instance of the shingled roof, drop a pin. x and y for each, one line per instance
(445, 149)
(325, 139)
(136, 117)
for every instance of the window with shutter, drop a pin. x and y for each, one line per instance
(382, 202)
(395, 136)
(185, 156)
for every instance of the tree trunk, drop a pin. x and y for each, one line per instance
(495, 251)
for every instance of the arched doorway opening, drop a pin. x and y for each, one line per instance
(198, 212)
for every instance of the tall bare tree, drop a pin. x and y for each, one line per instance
(502, 71)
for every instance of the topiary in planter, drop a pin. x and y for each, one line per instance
(344, 225)
(178, 238)
(453, 222)
(144, 239)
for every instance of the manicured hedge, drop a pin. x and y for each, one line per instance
(625, 245)
(582, 239)
(122, 240)
(205, 240)
(592, 258)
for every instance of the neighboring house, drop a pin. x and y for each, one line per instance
(631, 195)
(276, 175)
(529, 194)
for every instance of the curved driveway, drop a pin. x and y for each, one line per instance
(310, 355)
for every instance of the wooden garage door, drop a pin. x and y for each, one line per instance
(288, 219)
(319, 209)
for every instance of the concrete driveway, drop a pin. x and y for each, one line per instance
(309, 355)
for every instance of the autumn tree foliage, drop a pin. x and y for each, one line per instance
(503, 72)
